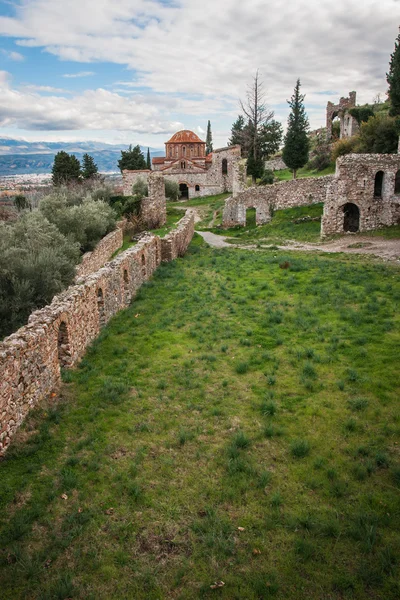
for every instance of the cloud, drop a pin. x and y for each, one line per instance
(45, 89)
(79, 74)
(198, 57)
(12, 55)
(91, 110)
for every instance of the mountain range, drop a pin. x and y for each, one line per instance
(19, 157)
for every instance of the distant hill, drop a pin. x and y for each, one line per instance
(18, 157)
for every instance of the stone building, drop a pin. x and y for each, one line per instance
(363, 195)
(186, 163)
(348, 124)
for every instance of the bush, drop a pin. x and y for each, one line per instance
(320, 154)
(36, 262)
(172, 190)
(140, 188)
(267, 178)
(345, 146)
(380, 135)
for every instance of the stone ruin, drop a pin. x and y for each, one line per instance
(363, 194)
(57, 336)
(348, 124)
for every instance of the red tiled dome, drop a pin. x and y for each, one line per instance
(184, 136)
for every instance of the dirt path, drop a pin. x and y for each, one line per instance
(386, 249)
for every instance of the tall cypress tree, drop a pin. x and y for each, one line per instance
(296, 145)
(209, 144)
(89, 167)
(148, 160)
(393, 79)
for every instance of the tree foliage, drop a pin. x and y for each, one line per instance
(393, 79)
(171, 190)
(209, 143)
(362, 113)
(320, 154)
(21, 202)
(89, 167)
(296, 145)
(132, 159)
(148, 159)
(379, 135)
(66, 169)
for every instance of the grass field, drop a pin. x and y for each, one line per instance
(238, 423)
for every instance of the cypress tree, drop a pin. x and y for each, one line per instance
(296, 145)
(393, 79)
(148, 160)
(209, 144)
(66, 168)
(89, 167)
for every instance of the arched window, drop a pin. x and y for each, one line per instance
(197, 188)
(397, 183)
(224, 166)
(64, 352)
(183, 164)
(100, 307)
(378, 186)
(183, 150)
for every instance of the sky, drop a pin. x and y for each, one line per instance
(136, 71)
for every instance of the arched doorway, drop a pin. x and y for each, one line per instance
(351, 221)
(184, 190)
(378, 186)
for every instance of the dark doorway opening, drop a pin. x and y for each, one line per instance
(397, 183)
(251, 217)
(378, 187)
(224, 166)
(184, 190)
(351, 220)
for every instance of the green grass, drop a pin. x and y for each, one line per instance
(209, 208)
(285, 225)
(286, 174)
(170, 462)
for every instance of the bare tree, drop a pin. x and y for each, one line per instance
(259, 119)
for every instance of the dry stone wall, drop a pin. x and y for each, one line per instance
(57, 336)
(92, 261)
(286, 194)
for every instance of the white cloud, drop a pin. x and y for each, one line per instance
(92, 110)
(44, 88)
(79, 74)
(12, 55)
(196, 58)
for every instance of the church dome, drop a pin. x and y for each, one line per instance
(185, 136)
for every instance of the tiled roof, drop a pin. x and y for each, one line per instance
(184, 136)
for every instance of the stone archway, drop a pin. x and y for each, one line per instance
(351, 217)
(184, 191)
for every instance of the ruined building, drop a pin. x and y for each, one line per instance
(348, 124)
(185, 162)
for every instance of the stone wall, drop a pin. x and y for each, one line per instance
(58, 335)
(92, 261)
(348, 124)
(354, 185)
(275, 164)
(264, 198)
(153, 209)
(176, 242)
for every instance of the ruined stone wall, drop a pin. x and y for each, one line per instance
(286, 194)
(130, 177)
(176, 242)
(153, 209)
(354, 184)
(348, 125)
(275, 164)
(58, 335)
(92, 261)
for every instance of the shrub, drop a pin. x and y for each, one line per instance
(172, 190)
(140, 188)
(267, 178)
(345, 146)
(300, 448)
(380, 135)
